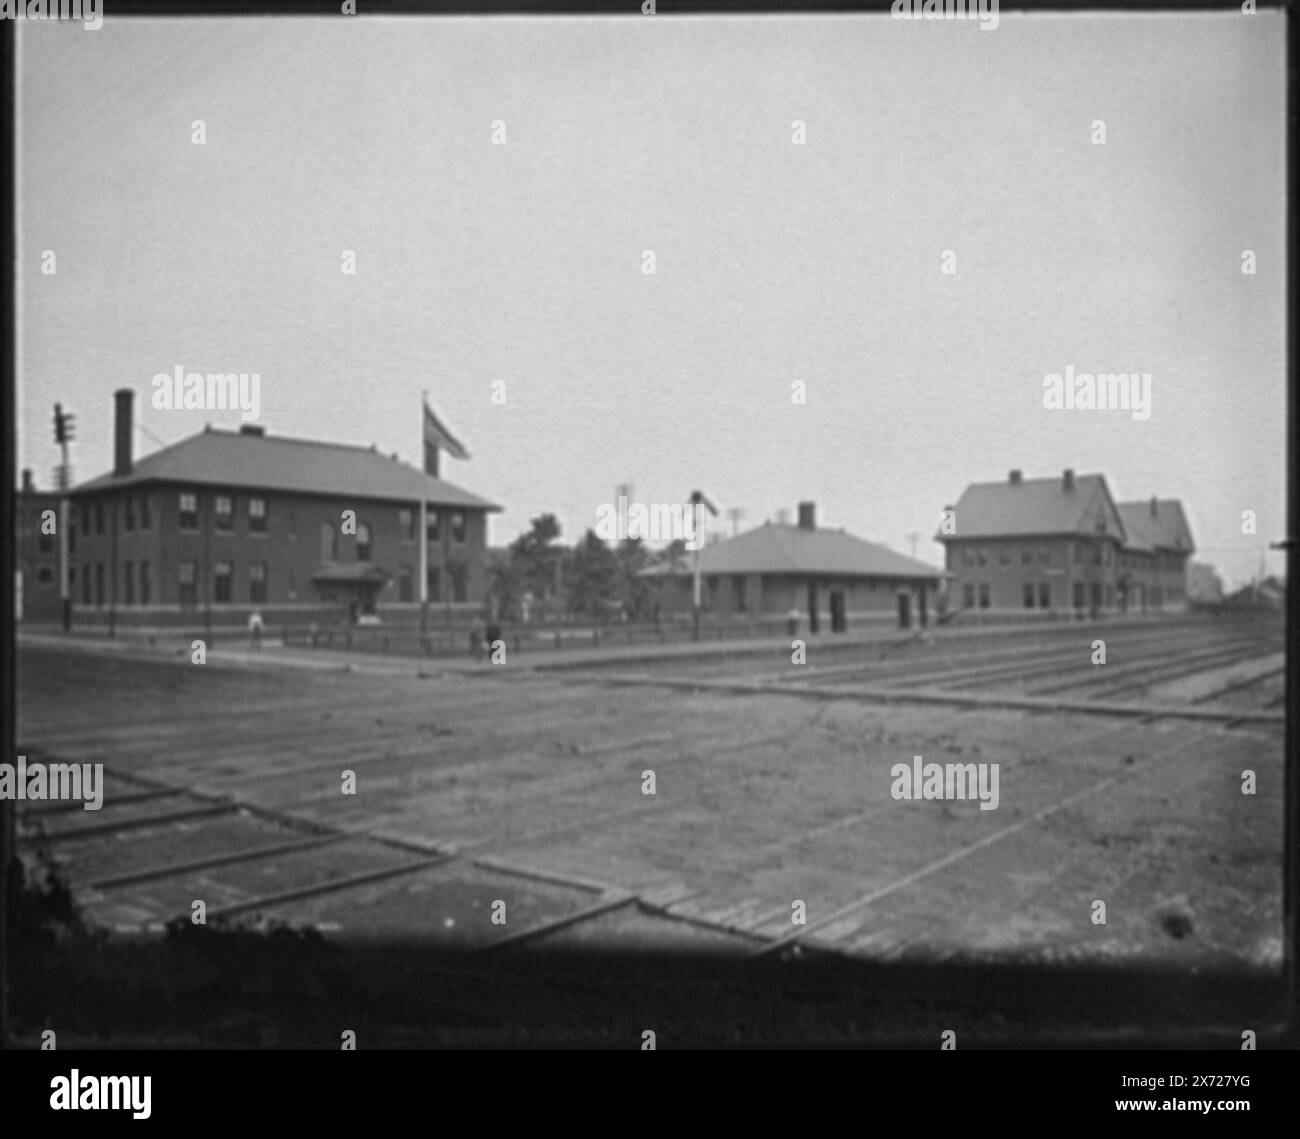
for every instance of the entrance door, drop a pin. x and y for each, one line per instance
(904, 610)
(838, 622)
(812, 607)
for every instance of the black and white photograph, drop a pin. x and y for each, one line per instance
(649, 528)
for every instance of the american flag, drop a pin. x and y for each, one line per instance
(437, 437)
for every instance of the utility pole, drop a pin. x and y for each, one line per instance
(698, 497)
(205, 513)
(62, 436)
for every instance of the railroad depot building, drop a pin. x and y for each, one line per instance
(1064, 544)
(831, 577)
(225, 522)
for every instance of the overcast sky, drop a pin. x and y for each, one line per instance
(775, 262)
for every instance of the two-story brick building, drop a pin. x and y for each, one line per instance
(36, 554)
(225, 522)
(1063, 544)
(1154, 561)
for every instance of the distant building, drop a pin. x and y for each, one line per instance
(1064, 544)
(1268, 594)
(1204, 586)
(36, 555)
(225, 522)
(829, 576)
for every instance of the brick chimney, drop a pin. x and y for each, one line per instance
(807, 516)
(1014, 478)
(122, 399)
(1067, 478)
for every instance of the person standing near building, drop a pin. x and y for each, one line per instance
(255, 629)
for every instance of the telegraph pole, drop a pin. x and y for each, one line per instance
(62, 436)
(698, 498)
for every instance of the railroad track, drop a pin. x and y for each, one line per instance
(233, 868)
(991, 667)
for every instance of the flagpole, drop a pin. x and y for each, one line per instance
(424, 566)
(424, 540)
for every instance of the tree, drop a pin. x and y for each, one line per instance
(593, 583)
(531, 566)
(631, 557)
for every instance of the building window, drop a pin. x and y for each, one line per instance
(434, 585)
(45, 543)
(257, 583)
(1004, 556)
(983, 555)
(406, 525)
(85, 585)
(223, 577)
(129, 510)
(1096, 594)
(363, 542)
(1029, 595)
(1078, 595)
(404, 584)
(984, 595)
(224, 509)
(457, 574)
(329, 543)
(45, 575)
(458, 526)
(99, 516)
(257, 516)
(99, 584)
(189, 512)
(85, 518)
(185, 578)
(431, 526)
(738, 591)
(1044, 595)
(145, 519)
(144, 583)
(970, 597)
(128, 584)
